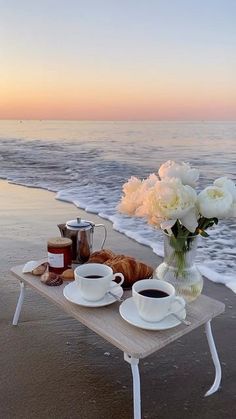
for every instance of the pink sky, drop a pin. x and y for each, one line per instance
(99, 63)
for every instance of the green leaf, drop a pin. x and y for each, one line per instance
(204, 234)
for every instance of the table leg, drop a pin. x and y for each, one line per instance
(136, 384)
(19, 304)
(215, 359)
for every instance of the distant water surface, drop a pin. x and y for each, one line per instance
(87, 163)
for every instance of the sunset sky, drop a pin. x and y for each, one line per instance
(118, 59)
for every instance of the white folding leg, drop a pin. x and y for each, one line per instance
(136, 385)
(19, 304)
(215, 359)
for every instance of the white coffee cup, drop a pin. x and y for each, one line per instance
(154, 309)
(95, 279)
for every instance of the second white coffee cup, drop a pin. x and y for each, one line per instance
(155, 299)
(95, 279)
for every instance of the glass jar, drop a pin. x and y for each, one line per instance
(59, 254)
(179, 268)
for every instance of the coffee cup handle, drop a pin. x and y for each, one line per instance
(121, 276)
(180, 301)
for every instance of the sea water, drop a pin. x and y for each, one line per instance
(86, 163)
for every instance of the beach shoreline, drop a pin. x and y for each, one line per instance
(66, 359)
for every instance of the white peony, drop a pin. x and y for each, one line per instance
(131, 198)
(151, 180)
(182, 171)
(132, 185)
(146, 185)
(215, 202)
(135, 191)
(169, 200)
(228, 184)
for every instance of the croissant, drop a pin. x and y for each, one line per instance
(100, 256)
(132, 269)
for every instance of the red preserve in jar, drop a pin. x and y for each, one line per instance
(59, 254)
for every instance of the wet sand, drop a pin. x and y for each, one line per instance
(53, 367)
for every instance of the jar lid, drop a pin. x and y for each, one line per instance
(78, 224)
(59, 242)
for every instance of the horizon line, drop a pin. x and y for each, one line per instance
(116, 120)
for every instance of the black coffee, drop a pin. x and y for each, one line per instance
(153, 293)
(93, 276)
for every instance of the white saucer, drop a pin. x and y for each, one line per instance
(129, 313)
(72, 293)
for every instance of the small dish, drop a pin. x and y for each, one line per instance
(72, 293)
(129, 313)
(33, 264)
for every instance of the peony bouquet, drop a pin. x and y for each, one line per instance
(170, 202)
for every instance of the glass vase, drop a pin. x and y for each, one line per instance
(179, 269)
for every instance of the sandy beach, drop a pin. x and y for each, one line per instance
(53, 367)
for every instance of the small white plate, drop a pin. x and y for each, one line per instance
(72, 293)
(129, 313)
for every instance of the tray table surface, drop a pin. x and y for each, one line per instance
(107, 322)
